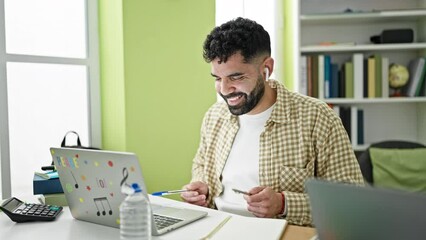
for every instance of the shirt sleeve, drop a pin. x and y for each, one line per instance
(297, 208)
(335, 161)
(199, 163)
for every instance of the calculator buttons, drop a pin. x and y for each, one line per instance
(19, 211)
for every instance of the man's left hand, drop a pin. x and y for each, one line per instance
(264, 202)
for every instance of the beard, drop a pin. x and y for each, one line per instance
(249, 101)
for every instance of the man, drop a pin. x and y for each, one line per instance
(262, 138)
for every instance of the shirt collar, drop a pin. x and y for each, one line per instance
(282, 109)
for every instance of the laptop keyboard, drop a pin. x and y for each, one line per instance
(162, 221)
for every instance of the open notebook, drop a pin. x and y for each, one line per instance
(92, 179)
(251, 228)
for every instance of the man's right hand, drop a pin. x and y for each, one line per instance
(197, 194)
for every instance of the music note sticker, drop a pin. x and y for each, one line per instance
(101, 202)
(125, 176)
(76, 184)
(101, 183)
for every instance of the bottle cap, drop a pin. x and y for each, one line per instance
(136, 187)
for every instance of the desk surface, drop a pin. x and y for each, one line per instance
(68, 228)
(293, 232)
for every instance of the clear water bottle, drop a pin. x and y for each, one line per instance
(135, 216)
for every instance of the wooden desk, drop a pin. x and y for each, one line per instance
(293, 232)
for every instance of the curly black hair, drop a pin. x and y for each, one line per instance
(238, 35)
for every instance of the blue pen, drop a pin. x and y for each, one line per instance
(163, 193)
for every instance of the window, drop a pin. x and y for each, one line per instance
(49, 84)
(266, 13)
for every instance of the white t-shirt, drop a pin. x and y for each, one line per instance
(241, 170)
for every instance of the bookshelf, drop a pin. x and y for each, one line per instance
(384, 118)
(363, 47)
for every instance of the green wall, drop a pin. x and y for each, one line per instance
(112, 75)
(151, 55)
(289, 17)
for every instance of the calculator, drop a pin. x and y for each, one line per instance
(19, 211)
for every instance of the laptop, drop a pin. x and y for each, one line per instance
(92, 180)
(350, 212)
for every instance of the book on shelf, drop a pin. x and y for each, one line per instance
(303, 86)
(327, 76)
(57, 199)
(321, 76)
(416, 70)
(358, 75)
(421, 84)
(371, 77)
(314, 76)
(360, 126)
(365, 78)
(354, 125)
(342, 81)
(44, 186)
(385, 77)
(309, 75)
(421, 90)
(358, 78)
(47, 175)
(345, 115)
(334, 81)
(349, 80)
(378, 75)
(353, 121)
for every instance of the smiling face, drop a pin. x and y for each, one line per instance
(243, 102)
(240, 84)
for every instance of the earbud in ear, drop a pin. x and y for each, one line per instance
(266, 70)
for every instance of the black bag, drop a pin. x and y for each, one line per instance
(63, 144)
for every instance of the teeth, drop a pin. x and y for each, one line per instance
(234, 98)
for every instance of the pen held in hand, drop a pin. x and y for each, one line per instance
(164, 193)
(241, 192)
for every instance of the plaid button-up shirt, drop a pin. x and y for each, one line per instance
(303, 138)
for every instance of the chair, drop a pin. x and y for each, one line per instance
(364, 159)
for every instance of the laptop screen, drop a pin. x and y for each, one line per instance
(344, 211)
